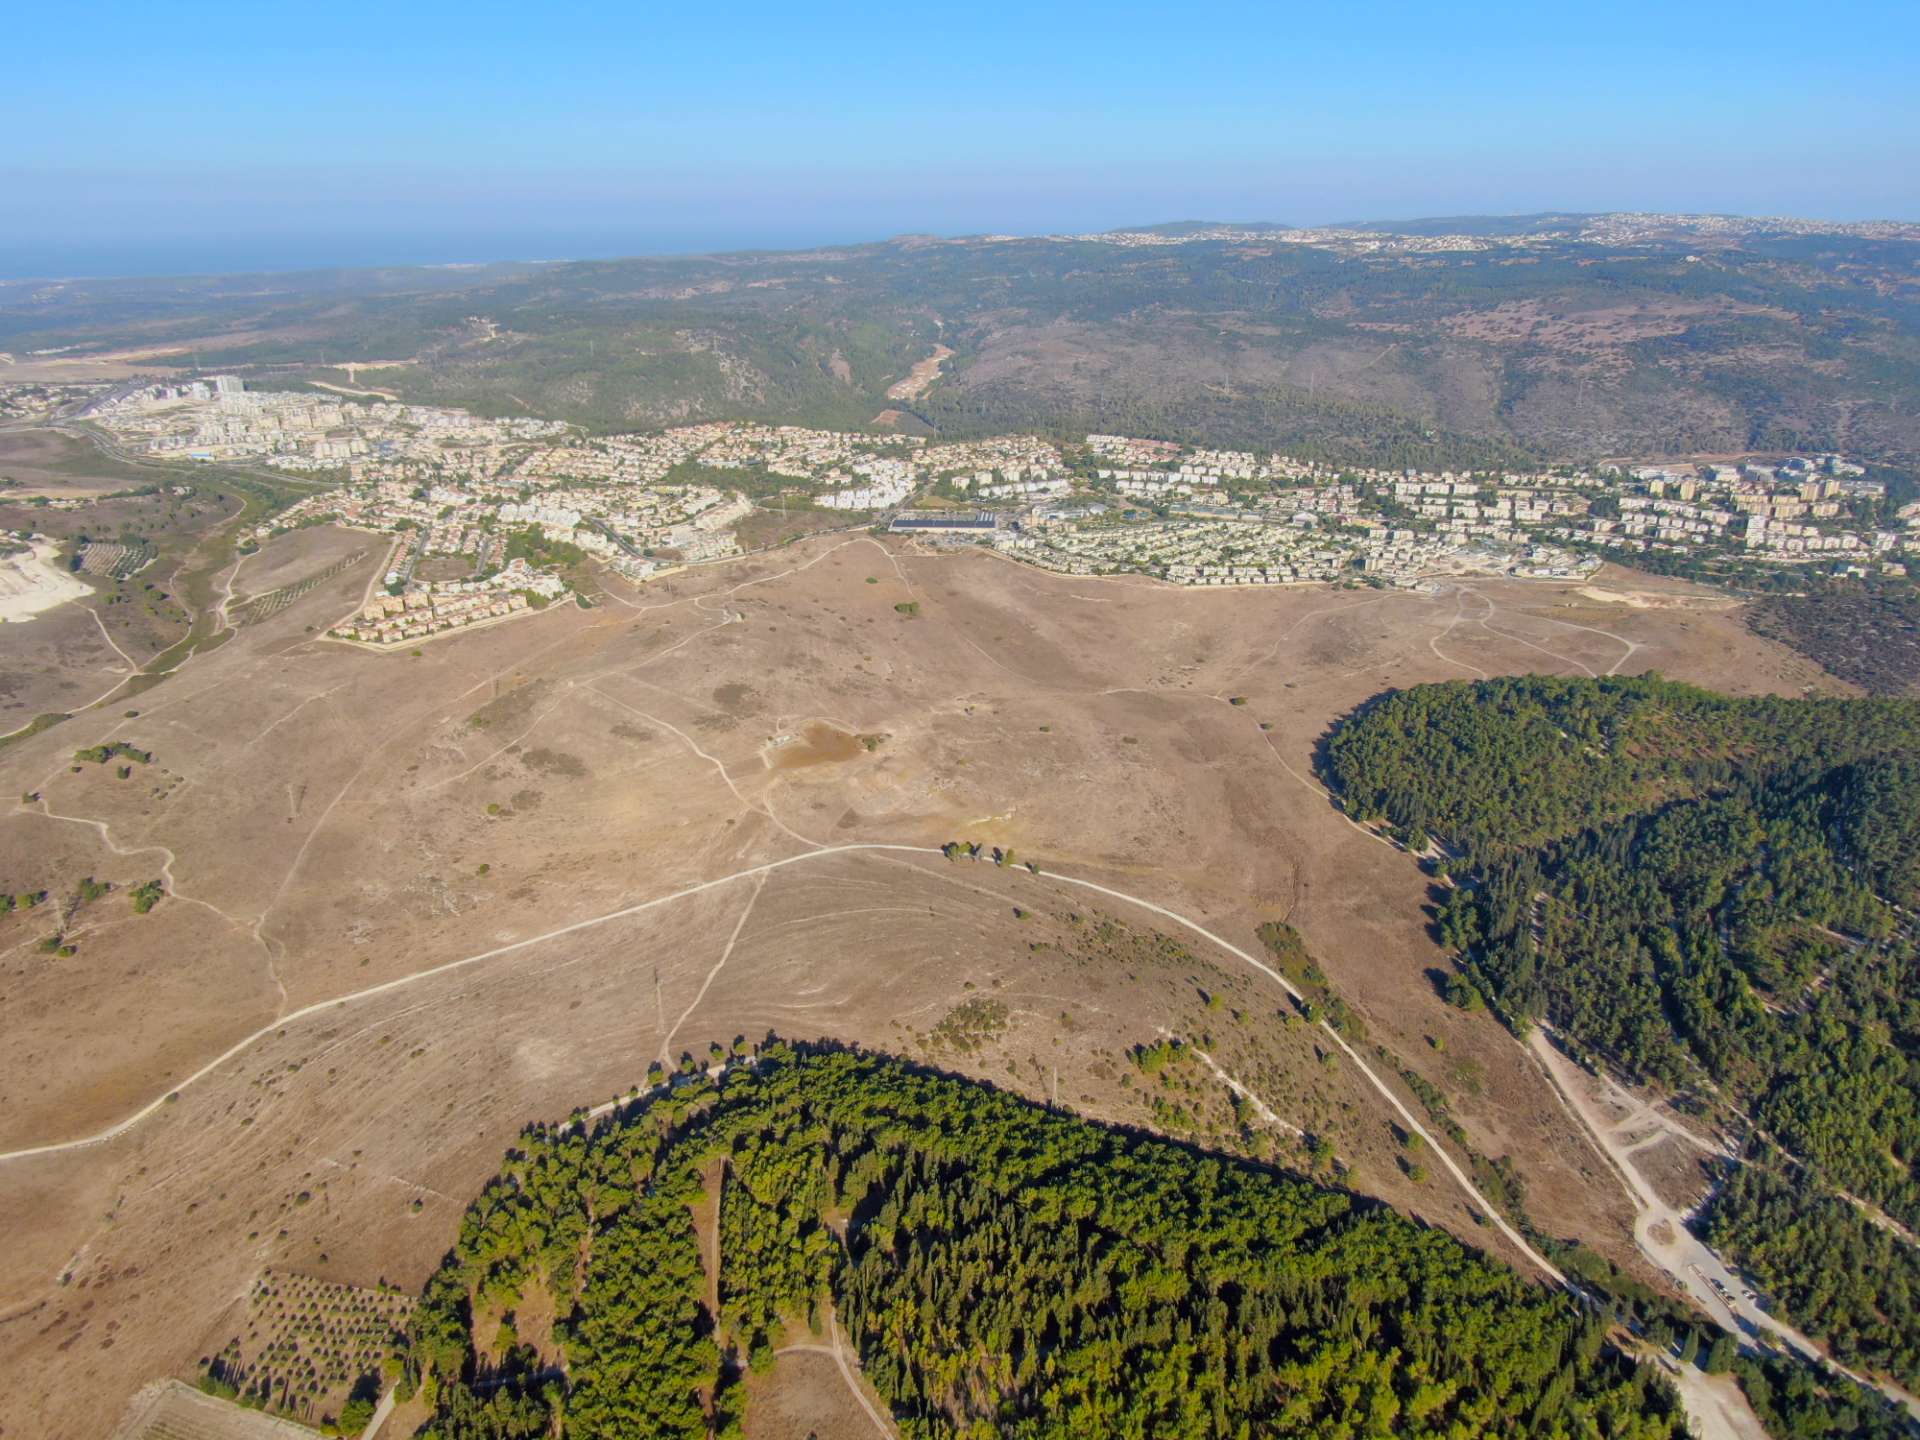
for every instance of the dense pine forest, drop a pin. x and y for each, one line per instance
(1714, 895)
(997, 1268)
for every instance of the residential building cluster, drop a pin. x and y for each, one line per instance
(36, 399)
(1129, 450)
(839, 470)
(1611, 229)
(1466, 510)
(836, 470)
(456, 488)
(221, 420)
(1795, 511)
(1200, 516)
(421, 610)
(1187, 551)
(1262, 548)
(979, 462)
(1790, 510)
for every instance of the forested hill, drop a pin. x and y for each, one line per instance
(1506, 765)
(1479, 344)
(1000, 1269)
(1714, 894)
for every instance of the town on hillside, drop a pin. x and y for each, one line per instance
(484, 514)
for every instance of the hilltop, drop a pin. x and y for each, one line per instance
(1457, 340)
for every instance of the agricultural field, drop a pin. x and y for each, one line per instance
(162, 533)
(113, 561)
(310, 1347)
(252, 608)
(173, 1410)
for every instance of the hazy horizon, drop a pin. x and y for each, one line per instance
(191, 259)
(696, 758)
(262, 140)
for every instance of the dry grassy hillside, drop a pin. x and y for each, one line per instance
(426, 898)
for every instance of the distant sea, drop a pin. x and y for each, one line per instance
(230, 255)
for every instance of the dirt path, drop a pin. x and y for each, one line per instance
(105, 695)
(713, 1241)
(351, 390)
(377, 578)
(380, 1414)
(217, 611)
(756, 580)
(920, 378)
(499, 750)
(853, 1381)
(132, 664)
(99, 827)
(1683, 1254)
(1661, 1231)
(1715, 1407)
(221, 616)
(726, 953)
(325, 1006)
(1405, 1116)
(1628, 647)
(764, 810)
(1260, 1107)
(1433, 644)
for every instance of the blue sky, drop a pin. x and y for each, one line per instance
(154, 138)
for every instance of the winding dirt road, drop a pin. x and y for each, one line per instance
(1405, 1116)
(1661, 1231)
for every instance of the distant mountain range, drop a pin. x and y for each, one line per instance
(1456, 339)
